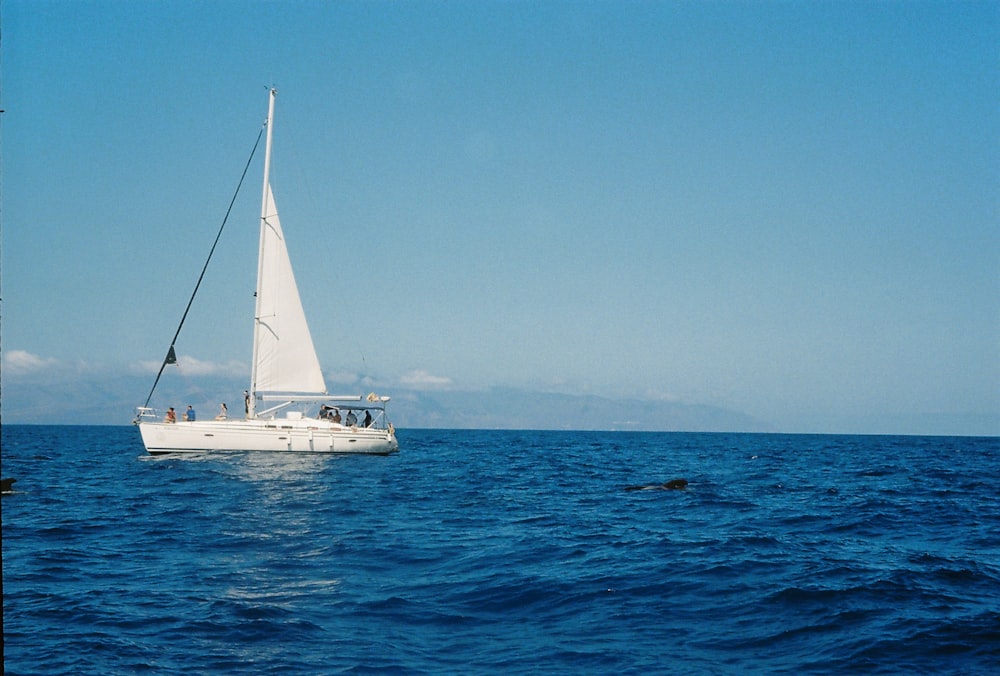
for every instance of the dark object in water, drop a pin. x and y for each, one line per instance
(672, 485)
(7, 485)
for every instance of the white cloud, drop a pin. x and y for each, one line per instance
(342, 377)
(18, 362)
(422, 380)
(196, 367)
(659, 395)
(144, 367)
(191, 366)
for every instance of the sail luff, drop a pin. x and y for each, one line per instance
(260, 253)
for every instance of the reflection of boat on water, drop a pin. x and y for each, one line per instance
(286, 380)
(263, 466)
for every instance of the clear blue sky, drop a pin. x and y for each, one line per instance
(787, 209)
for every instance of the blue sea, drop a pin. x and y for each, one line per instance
(500, 552)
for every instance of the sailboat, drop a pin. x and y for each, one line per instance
(287, 407)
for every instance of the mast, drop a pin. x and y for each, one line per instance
(251, 413)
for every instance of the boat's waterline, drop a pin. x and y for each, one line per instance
(295, 436)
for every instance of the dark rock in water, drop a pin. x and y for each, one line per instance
(7, 485)
(672, 485)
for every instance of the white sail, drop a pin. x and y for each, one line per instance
(285, 358)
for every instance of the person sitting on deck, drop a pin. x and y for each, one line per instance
(171, 417)
(189, 414)
(223, 412)
(352, 419)
(336, 416)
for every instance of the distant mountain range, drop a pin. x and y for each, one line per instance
(112, 401)
(89, 397)
(502, 408)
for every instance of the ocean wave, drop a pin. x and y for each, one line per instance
(500, 552)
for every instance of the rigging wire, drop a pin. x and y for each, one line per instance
(171, 357)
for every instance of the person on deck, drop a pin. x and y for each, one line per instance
(336, 416)
(352, 419)
(189, 414)
(171, 416)
(223, 412)
(368, 419)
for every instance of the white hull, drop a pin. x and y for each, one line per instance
(282, 435)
